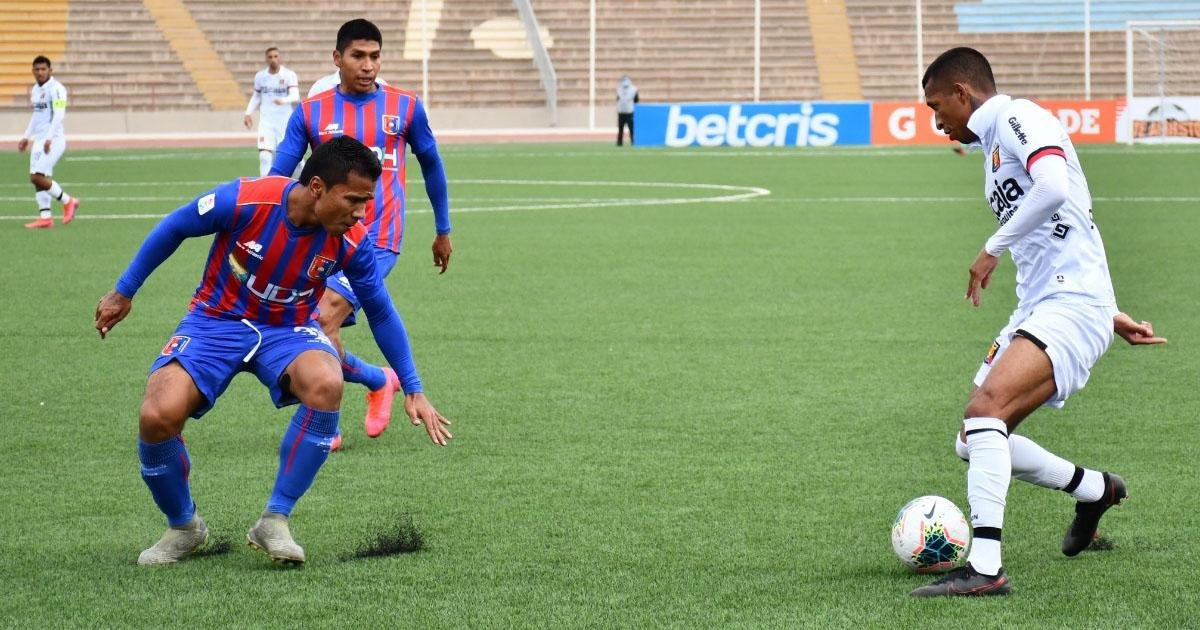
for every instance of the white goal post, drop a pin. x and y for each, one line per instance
(1162, 86)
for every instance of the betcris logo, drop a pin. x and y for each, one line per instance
(807, 124)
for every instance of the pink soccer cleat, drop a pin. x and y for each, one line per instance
(40, 224)
(336, 443)
(379, 405)
(69, 210)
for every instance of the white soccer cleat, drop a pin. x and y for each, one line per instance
(176, 543)
(271, 535)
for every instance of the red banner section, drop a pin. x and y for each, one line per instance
(913, 123)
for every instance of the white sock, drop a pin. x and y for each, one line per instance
(1033, 464)
(57, 192)
(1091, 487)
(264, 162)
(43, 203)
(987, 489)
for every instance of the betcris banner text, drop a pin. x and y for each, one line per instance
(806, 124)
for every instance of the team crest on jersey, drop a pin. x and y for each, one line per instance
(991, 355)
(996, 158)
(175, 345)
(391, 125)
(321, 268)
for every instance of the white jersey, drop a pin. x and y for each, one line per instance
(49, 107)
(1064, 256)
(269, 87)
(330, 81)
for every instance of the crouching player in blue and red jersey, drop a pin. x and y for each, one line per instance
(387, 120)
(277, 241)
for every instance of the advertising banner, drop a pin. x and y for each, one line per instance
(913, 123)
(798, 124)
(1160, 119)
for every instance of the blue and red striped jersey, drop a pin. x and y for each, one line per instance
(261, 267)
(387, 121)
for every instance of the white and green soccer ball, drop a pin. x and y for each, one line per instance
(931, 535)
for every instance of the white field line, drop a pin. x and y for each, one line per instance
(735, 193)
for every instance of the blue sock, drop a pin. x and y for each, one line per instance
(304, 448)
(355, 370)
(165, 467)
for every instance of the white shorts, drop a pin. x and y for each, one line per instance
(270, 134)
(41, 162)
(1073, 334)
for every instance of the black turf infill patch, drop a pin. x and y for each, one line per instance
(399, 538)
(1100, 543)
(217, 545)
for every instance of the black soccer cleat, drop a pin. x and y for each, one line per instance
(966, 581)
(1087, 515)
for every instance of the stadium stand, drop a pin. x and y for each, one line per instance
(113, 55)
(118, 58)
(28, 26)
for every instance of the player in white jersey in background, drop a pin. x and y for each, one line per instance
(330, 81)
(276, 92)
(45, 138)
(1064, 321)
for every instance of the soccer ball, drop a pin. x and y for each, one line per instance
(930, 534)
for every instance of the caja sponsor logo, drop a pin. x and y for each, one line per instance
(1003, 197)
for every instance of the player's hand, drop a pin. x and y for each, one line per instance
(441, 252)
(421, 411)
(112, 308)
(1136, 333)
(981, 275)
(46, 147)
(23, 144)
(248, 120)
(280, 101)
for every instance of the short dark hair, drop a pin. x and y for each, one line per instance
(268, 51)
(358, 29)
(41, 59)
(961, 65)
(333, 161)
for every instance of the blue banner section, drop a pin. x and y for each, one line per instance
(807, 124)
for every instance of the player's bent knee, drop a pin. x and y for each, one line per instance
(159, 421)
(984, 403)
(318, 382)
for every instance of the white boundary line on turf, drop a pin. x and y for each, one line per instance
(740, 193)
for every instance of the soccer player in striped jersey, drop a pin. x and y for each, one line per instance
(386, 119)
(277, 241)
(276, 91)
(1065, 318)
(46, 141)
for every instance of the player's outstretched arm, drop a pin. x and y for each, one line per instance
(392, 338)
(1136, 333)
(112, 308)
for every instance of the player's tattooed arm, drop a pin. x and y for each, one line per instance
(1136, 333)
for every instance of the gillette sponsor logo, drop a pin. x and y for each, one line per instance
(754, 124)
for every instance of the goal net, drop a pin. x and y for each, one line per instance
(1162, 85)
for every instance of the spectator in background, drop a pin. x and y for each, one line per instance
(627, 97)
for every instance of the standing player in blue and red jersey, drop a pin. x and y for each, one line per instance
(277, 241)
(386, 119)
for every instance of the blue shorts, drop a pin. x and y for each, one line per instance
(214, 350)
(385, 260)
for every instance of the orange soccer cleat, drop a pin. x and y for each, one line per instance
(69, 210)
(379, 405)
(336, 443)
(40, 223)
